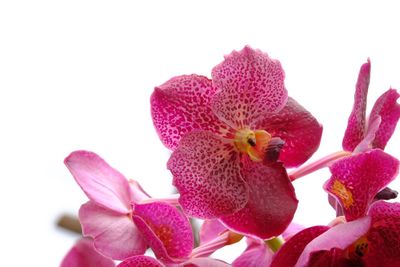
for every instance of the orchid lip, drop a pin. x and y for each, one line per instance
(252, 142)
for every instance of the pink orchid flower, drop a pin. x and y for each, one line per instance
(121, 219)
(357, 179)
(370, 169)
(213, 235)
(83, 254)
(372, 240)
(221, 130)
(361, 136)
(385, 113)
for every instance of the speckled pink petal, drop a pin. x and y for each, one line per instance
(100, 182)
(207, 175)
(357, 179)
(83, 254)
(249, 84)
(256, 254)
(115, 235)
(291, 250)
(298, 128)
(271, 205)
(140, 261)
(341, 236)
(166, 229)
(182, 105)
(210, 229)
(389, 110)
(356, 125)
(384, 235)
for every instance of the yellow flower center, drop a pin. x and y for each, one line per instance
(252, 143)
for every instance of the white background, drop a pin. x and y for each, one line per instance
(79, 74)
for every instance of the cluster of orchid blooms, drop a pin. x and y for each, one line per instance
(232, 138)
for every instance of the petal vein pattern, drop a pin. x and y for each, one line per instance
(101, 183)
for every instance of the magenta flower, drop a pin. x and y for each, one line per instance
(221, 129)
(83, 254)
(356, 180)
(119, 217)
(382, 121)
(372, 240)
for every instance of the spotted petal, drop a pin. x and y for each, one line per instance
(140, 261)
(207, 175)
(357, 179)
(298, 128)
(167, 230)
(100, 182)
(83, 254)
(291, 250)
(356, 125)
(271, 205)
(387, 108)
(182, 105)
(115, 235)
(384, 235)
(249, 84)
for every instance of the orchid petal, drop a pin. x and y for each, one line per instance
(292, 230)
(256, 254)
(365, 144)
(356, 124)
(249, 84)
(388, 109)
(341, 236)
(114, 235)
(167, 230)
(335, 257)
(182, 105)
(83, 254)
(271, 205)
(210, 229)
(204, 262)
(140, 261)
(100, 182)
(291, 250)
(357, 179)
(207, 175)
(298, 128)
(384, 235)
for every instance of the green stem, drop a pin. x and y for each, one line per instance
(274, 244)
